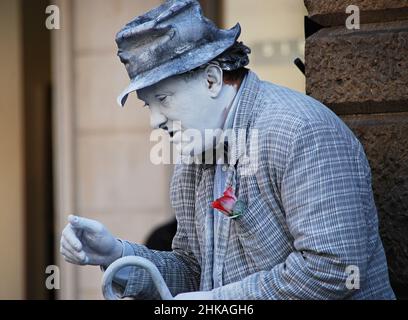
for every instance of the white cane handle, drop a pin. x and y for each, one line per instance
(134, 262)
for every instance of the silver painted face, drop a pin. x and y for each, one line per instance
(190, 107)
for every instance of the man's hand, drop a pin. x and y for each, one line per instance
(200, 295)
(88, 242)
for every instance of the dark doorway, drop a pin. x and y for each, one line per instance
(213, 9)
(39, 215)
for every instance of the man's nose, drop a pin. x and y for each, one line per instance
(157, 119)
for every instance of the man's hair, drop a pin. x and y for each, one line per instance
(232, 62)
(234, 77)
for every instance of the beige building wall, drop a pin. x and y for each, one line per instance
(275, 32)
(11, 154)
(106, 174)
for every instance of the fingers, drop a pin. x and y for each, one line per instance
(69, 260)
(67, 248)
(71, 247)
(85, 224)
(69, 236)
(73, 257)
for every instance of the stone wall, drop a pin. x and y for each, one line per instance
(362, 75)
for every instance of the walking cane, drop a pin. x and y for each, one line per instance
(134, 262)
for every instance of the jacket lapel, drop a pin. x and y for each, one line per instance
(204, 198)
(245, 112)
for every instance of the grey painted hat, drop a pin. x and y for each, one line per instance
(169, 40)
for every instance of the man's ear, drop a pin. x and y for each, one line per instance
(214, 79)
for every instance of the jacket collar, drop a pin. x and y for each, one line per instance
(246, 104)
(247, 111)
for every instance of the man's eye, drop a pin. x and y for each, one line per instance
(162, 98)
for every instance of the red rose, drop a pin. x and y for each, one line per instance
(226, 203)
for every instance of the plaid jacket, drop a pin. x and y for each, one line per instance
(310, 213)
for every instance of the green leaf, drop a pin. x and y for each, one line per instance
(239, 209)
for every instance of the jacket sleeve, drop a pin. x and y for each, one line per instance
(179, 269)
(324, 192)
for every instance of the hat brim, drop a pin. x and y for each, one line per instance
(187, 62)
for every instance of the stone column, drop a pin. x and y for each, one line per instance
(362, 75)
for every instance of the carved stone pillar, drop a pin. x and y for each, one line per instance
(362, 75)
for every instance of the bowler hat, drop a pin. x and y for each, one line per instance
(169, 40)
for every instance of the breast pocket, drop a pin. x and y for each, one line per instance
(262, 235)
(253, 219)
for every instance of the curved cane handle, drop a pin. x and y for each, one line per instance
(134, 262)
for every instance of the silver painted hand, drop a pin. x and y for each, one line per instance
(88, 242)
